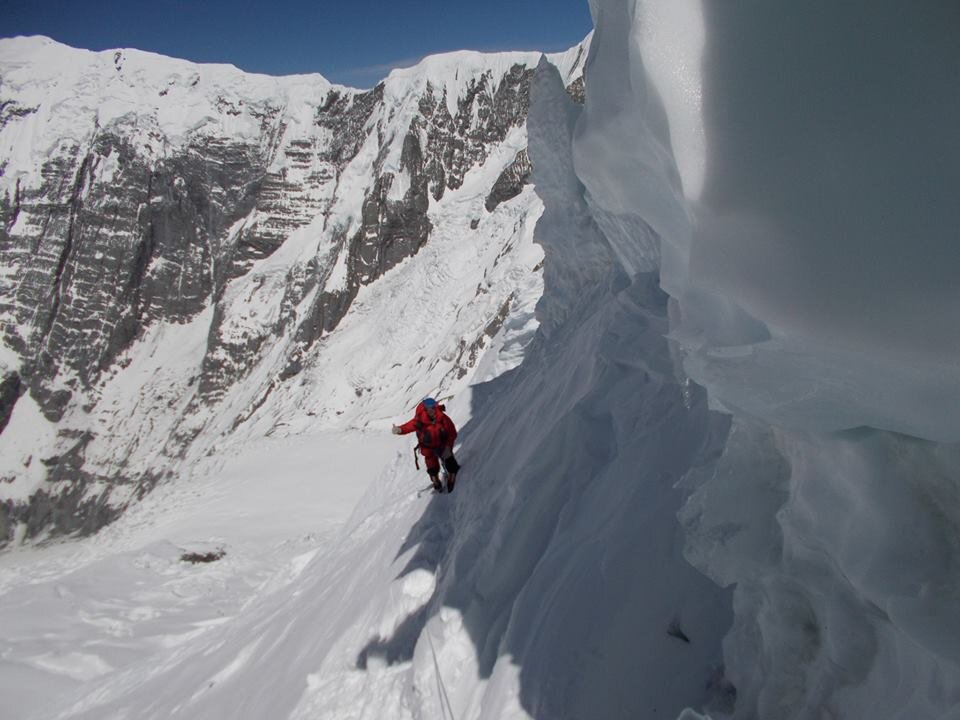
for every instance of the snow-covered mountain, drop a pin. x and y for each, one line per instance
(747, 324)
(182, 242)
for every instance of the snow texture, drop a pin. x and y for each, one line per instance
(798, 168)
(754, 196)
(557, 559)
(811, 251)
(63, 87)
(243, 360)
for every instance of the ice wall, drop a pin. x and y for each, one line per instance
(799, 164)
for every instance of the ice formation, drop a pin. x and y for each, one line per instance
(807, 232)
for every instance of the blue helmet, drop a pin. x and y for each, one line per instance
(429, 402)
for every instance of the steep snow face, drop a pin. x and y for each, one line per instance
(66, 95)
(184, 244)
(798, 169)
(550, 584)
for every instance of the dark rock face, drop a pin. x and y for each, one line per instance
(117, 236)
(70, 508)
(393, 230)
(578, 91)
(110, 256)
(11, 110)
(510, 182)
(10, 388)
(458, 143)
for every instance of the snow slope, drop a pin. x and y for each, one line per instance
(231, 254)
(124, 602)
(67, 86)
(818, 494)
(552, 575)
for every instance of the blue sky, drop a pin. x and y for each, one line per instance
(354, 42)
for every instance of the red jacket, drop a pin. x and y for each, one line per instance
(435, 434)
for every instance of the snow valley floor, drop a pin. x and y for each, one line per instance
(82, 616)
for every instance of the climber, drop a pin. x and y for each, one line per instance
(436, 434)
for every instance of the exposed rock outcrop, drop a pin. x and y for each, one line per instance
(166, 212)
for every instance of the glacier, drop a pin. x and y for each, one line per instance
(722, 482)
